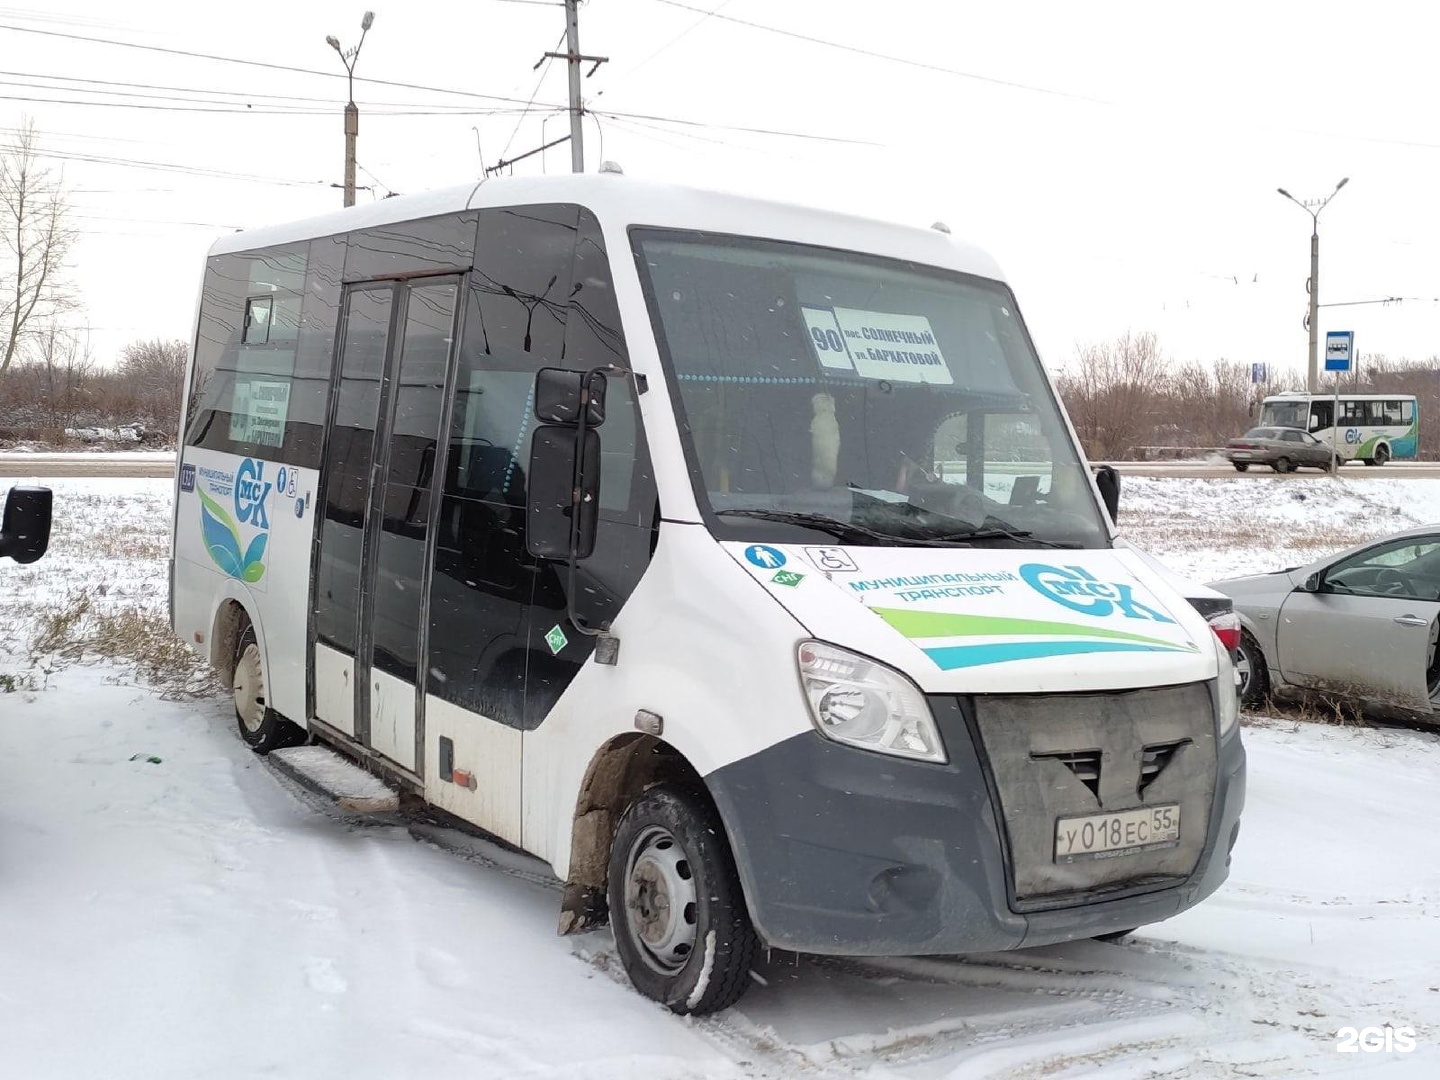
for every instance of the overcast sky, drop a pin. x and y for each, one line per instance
(1119, 159)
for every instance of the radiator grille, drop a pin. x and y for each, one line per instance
(1055, 756)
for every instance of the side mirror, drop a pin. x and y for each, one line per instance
(564, 498)
(1314, 583)
(1108, 481)
(25, 528)
(560, 395)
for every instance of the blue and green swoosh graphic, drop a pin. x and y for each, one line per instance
(222, 541)
(1011, 638)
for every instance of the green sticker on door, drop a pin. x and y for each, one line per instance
(556, 639)
(787, 577)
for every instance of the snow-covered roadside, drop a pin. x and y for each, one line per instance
(196, 917)
(1211, 529)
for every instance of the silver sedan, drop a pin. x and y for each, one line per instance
(1361, 625)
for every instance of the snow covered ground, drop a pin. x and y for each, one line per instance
(197, 916)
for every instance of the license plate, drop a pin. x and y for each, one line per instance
(1108, 836)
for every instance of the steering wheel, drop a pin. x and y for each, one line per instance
(1388, 579)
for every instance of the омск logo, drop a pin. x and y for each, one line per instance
(1077, 589)
(250, 492)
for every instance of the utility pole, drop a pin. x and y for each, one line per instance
(573, 58)
(348, 57)
(1313, 208)
(572, 47)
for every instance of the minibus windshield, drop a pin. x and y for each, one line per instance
(869, 399)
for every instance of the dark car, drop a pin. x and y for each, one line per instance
(1283, 449)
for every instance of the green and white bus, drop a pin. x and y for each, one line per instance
(737, 560)
(1373, 428)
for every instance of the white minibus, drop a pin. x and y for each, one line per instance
(1373, 428)
(735, 559)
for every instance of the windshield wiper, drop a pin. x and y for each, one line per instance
(1000, 530)
(844, 530)
(841, 530)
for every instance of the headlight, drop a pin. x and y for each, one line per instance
(857, 701)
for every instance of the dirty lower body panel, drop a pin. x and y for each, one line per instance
(847, 852)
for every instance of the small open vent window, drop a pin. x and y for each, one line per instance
(258, 310)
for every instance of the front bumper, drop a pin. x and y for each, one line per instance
(846, 852)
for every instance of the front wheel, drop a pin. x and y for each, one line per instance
(262, 728)
(676, 907)
(1382, 455)
(1254, 675)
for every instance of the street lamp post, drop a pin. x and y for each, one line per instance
(1313, 208)
(348, 57)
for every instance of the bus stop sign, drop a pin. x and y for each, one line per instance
(1339, 348)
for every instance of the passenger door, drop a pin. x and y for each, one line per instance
(371, 578)
(340, 697)
(1370, 630)
(401, 518)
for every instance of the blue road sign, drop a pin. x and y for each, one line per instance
(1339, 348)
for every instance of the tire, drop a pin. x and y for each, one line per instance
(1282, 465)
(262, 728)
(1382, 454)
(1240, 466)
(672, 888)
(1254, 673)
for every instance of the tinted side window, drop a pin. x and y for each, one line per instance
(437, 243)
(628, 503)
(243, 388)
(484, 581)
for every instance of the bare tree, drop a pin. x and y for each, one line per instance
(154, 371)
(37, 238)
(1111, 393)
(63, 365)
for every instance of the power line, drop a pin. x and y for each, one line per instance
(189, 170)
(907, 61)
(1387, 300)
(735, 127)
(190, 54)
(239, 109)
(683, 33)
(242, 94)
(544, 70)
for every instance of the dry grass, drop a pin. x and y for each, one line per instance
(139, 641)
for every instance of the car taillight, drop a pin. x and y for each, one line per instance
(1226, 625)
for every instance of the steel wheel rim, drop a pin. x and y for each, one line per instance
(1244, 669)
(660, 900)
(249, 689)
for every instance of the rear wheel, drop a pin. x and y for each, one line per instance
(676, 907)
(1254, 675)
(1283, 465)
(1241, 466)
(262, 728)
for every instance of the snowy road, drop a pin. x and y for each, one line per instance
(197, 917)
